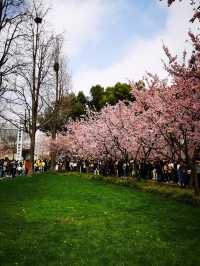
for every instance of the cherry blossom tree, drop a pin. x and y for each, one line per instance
(162, 123)
(186, 102)
(195, 5)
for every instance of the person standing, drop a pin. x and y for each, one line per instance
(1, 168)
(20, 169)
(13, 166)
(5, 168)
(27, 167)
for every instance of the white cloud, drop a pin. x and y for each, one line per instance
(141, 55)
(83, 21)
(80, 20)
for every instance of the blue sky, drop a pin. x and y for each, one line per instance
(118, 40)
(140, 18)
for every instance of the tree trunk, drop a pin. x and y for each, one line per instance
(32, 150)
(196, 184)
(53, 153)
(195, 180)
(54, 126)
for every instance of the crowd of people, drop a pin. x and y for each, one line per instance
(13, 168)
(160, 171)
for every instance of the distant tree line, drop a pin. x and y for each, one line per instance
(75, 106)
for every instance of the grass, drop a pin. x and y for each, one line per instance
(55, 219)
(171, 191)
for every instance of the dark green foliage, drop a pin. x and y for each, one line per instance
(78, 106)
(120, 92)
(111, 95)
(97, 94)
(55, 219)
(75, 106)
(81, 98)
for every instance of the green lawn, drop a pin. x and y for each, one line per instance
(66, 220)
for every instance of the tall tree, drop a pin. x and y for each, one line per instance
(33, 79)
(57, 94)
(11, 18)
